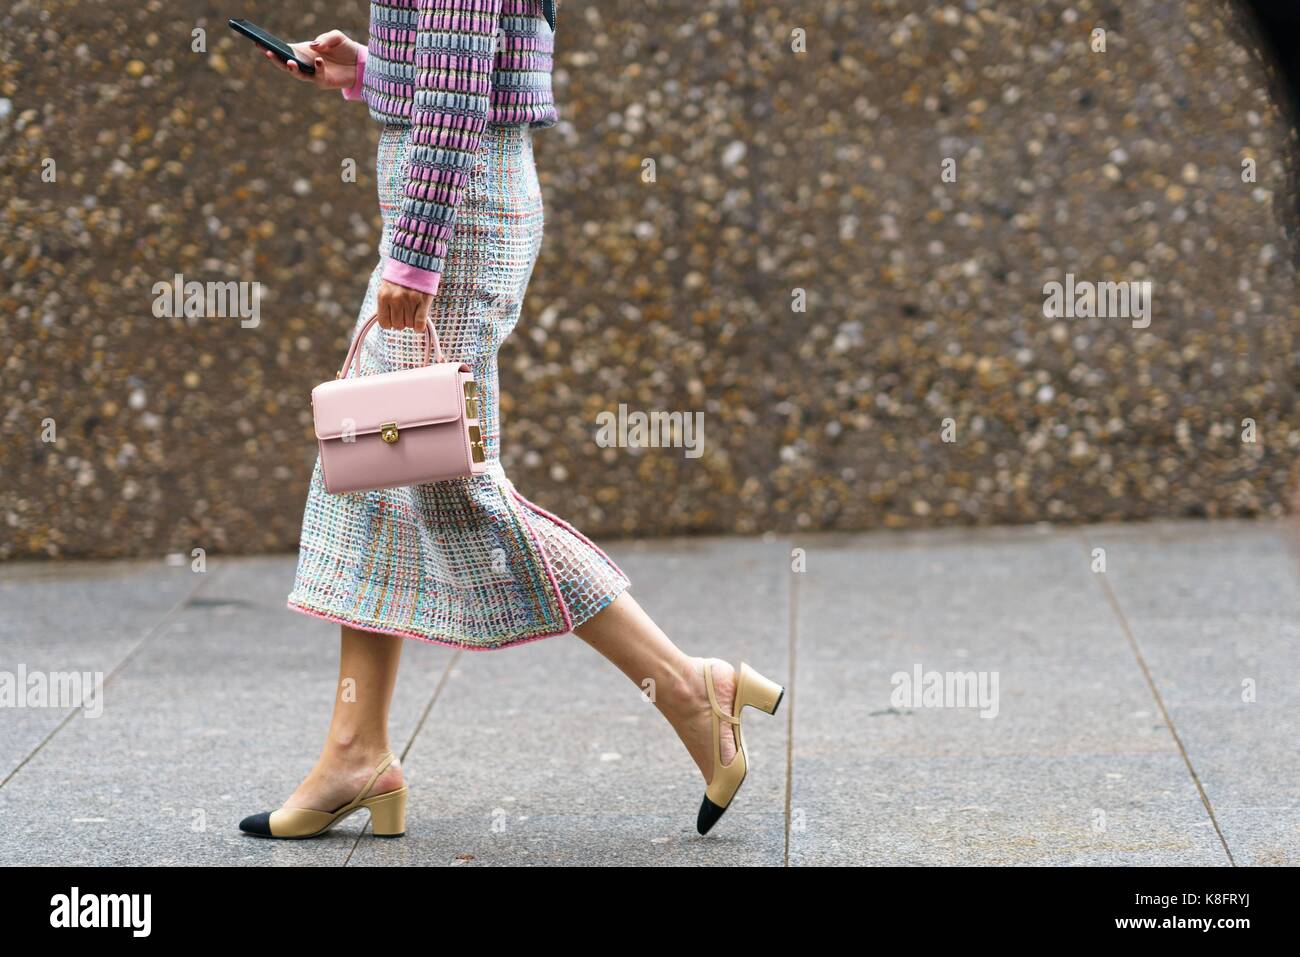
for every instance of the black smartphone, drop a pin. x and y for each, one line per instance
(265, 40)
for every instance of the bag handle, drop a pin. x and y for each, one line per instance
(432, 347)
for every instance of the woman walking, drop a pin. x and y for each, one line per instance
(460, 86)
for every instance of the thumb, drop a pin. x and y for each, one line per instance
(328, 40)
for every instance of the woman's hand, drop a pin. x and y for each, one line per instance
(402, 308)
(333, 55)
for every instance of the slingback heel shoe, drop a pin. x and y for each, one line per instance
(387, 814)
(751, 689)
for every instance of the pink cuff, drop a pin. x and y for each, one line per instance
(411, 277)
(354, 91)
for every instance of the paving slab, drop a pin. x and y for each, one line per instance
(75, 617)
(1103, 810)
(1214, 610)
(1072, 708)
(218, 716)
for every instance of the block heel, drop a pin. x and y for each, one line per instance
(388, 813)
(756, 691)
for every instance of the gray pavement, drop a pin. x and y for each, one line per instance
(1147, 714)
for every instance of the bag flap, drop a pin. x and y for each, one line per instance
(361, 405)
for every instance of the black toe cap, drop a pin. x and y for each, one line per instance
(259, 824)
(708, 816)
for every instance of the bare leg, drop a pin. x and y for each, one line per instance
(358, 732)
(629, 638)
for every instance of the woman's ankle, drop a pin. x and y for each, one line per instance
(345, 747)
(678, 693)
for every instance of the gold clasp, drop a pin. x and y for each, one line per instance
(388, 432)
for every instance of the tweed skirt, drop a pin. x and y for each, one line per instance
(470, 562)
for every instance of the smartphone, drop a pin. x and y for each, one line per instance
(282, 50)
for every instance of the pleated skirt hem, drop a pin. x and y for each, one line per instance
(616, 582)
(448, 641)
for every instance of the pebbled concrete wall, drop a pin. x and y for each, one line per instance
(840, 262)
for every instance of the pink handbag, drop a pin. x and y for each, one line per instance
(398, 428)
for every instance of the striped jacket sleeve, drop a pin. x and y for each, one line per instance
(454, 54)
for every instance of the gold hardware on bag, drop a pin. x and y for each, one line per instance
(388, 432)
(471, 399)
(476, 443)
